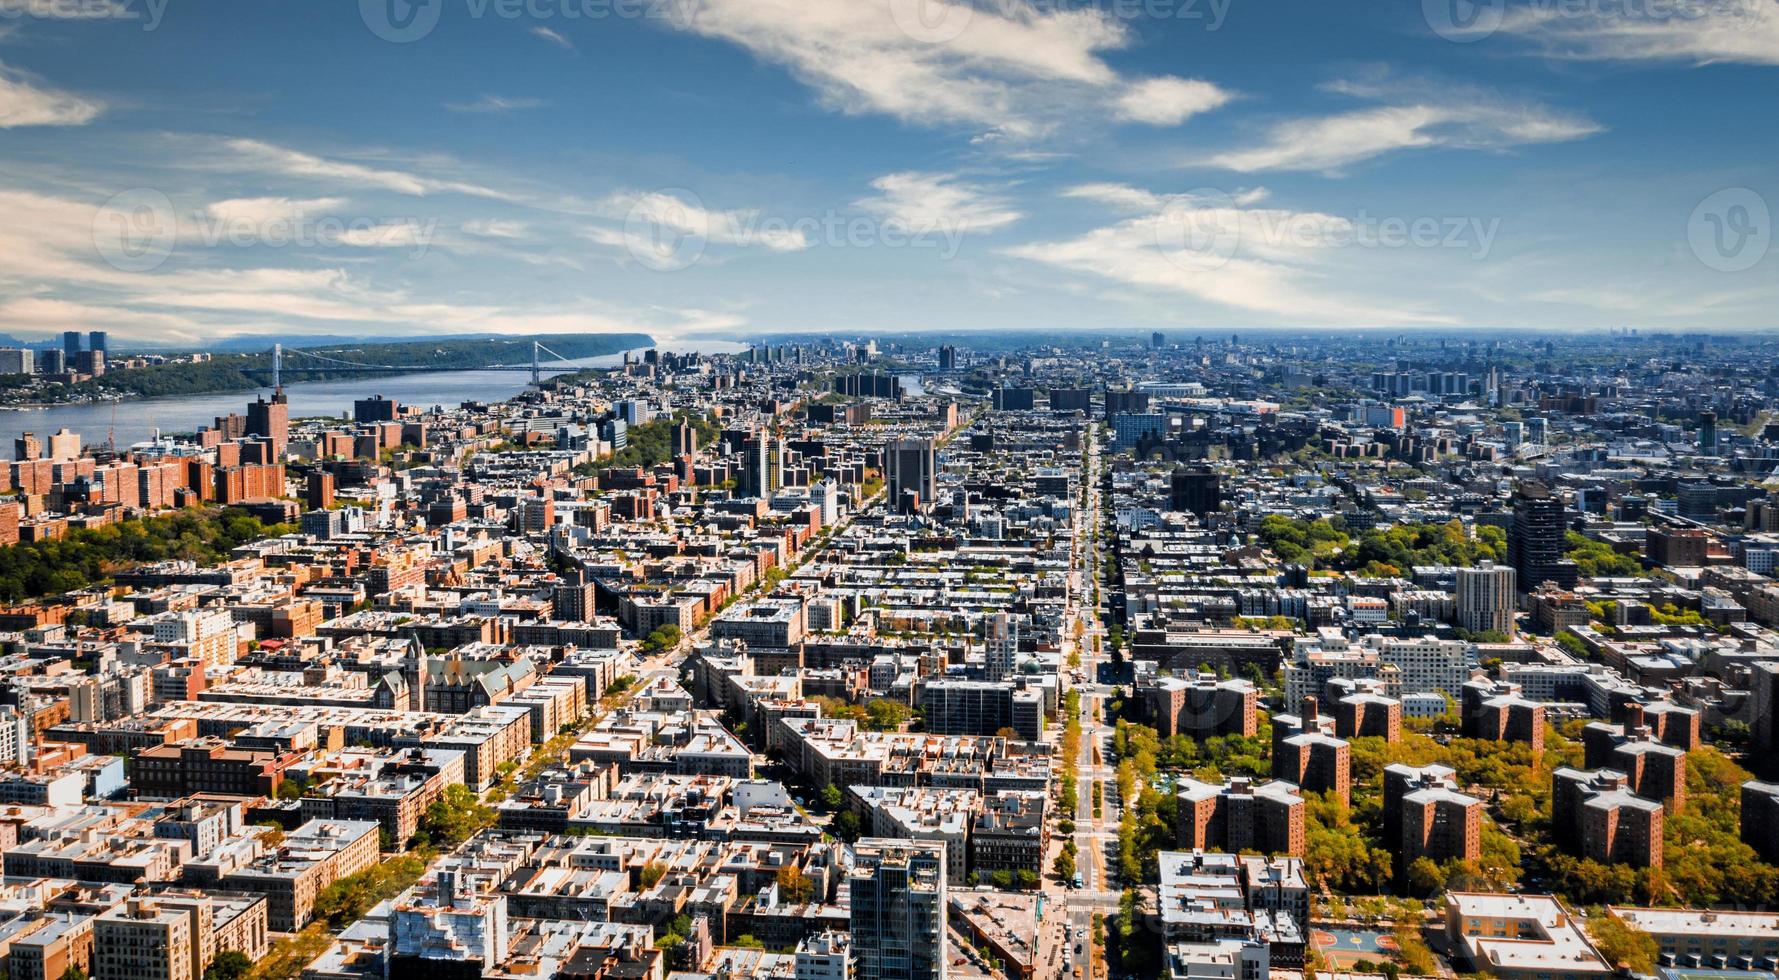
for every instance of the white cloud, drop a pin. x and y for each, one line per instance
(1328, 143)
(553, 37)
(67, 9)
(1269, 261)
(1127, 198)
(656, 220)
(1121, 196)
(50, 239)
(41, 314)
(1169, 101)
(1015, 67)
(387, 234)
(921, 204)
(495, 103)
(264, 210)
(269, 158)
(496, 228)
(25, 103)
(55, 278)
(1696, 31)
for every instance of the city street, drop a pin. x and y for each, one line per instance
(1095, 834)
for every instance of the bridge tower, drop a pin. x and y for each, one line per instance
(277, 365)
(535, 375)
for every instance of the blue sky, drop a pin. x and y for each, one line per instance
(176, 170)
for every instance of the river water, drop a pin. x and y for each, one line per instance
(137, 420)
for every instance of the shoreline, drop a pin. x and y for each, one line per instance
(343, 374)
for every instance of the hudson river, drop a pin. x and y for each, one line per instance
(137, 420)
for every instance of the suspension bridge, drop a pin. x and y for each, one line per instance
(325, 364)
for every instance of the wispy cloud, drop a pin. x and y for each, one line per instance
(1460, 118)
(1221, 250)
(501, 228)
(495, 103)
(25, 102)
(656, 224)
(921, 204)
(1013, 67)
(67, 9)
(1135, 199)
(56, 277)
(269, 158)
(1697, 31)
(554, 37)
(261, 210)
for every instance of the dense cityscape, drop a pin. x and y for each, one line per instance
(909, 658)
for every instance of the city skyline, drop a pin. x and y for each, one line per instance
(175, 175)
(955, 658)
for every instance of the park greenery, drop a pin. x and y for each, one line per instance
(1326, 545)
(1707, 863)
(651, 444)
(88, 556)
(877, 714)
(664, 637)
(1596, 559)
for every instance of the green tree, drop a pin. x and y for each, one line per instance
(1424, 877)
(229, 965)
(1064, 866)
(455, 816)
(847, 826)
(1411, 949)
(1623, 944)
(832, 797)
(794, 886)
(886, 715)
